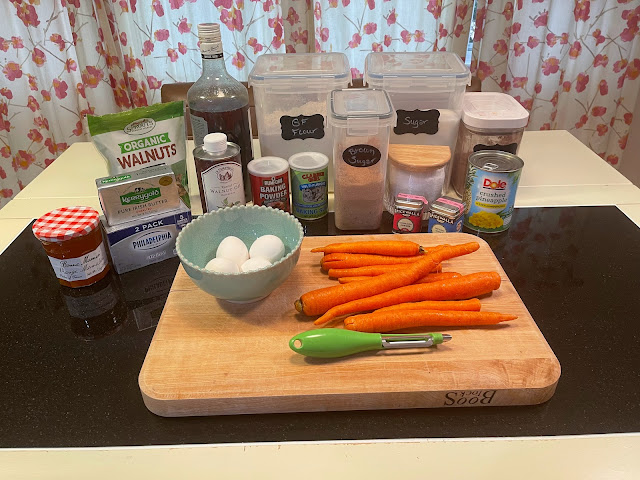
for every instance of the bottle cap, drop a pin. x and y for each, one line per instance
(209, 32)
(215, 142)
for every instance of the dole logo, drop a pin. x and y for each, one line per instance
(498, 185)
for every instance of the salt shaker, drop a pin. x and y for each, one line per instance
(361, 121)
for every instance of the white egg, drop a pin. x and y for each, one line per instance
(254, 264)
(234, 249)
(222, 265)
(268, 247)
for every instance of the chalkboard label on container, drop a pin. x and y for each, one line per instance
(417, 121)
(302, 127)
(511, 148)
(361, 155)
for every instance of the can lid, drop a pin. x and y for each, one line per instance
(66, 223)
(493, 110)
(215, 142)
(496, 161)
(268, 166)
(419, 157)
(308, 161)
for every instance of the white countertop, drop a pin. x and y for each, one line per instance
(559, 171)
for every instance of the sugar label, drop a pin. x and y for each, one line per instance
(417, 121)
(361, 155)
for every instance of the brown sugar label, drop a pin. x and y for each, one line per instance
(361, 155)
(417, 121)
(302, 127)
(511, 148)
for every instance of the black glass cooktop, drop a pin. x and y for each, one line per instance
(71, 358)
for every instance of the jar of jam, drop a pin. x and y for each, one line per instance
(72, 239)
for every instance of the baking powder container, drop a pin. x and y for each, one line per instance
(72, 239)
(490, 121)
(361, 120)
(270, 182)
(416, 170)
(490, 190)
(309, 177)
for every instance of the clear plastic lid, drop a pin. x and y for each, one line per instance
(360, 103)
(493, 110)
(331, 68)
(414, 66)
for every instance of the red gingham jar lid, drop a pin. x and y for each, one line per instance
(65, 223)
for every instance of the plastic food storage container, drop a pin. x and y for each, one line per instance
(361, 121)
(426, 90)
(416, 170)
(290, 93)
(490, 121)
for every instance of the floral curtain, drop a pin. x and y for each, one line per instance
(359, 27)
(573, 64)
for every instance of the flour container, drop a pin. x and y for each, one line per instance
(426, 90)
(290, 93)
(361, 121)
(490, 121)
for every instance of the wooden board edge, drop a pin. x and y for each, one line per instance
(350, 402)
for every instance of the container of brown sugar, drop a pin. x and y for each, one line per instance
(490, 121)
(361, 120)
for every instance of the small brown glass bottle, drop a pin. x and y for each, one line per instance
(219, 171)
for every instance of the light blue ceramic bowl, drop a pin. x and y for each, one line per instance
(198, 241)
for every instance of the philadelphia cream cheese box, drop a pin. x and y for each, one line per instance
(145, 241)
(134, 195)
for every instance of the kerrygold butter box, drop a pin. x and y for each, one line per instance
(134, 195)
(145, 241)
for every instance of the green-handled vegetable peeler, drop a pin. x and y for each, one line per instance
(337, 342)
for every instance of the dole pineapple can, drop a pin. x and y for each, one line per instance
(490, 190)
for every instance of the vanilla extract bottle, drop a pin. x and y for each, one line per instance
(218, 102)
(219, 172)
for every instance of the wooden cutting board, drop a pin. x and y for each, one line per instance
(212, 357)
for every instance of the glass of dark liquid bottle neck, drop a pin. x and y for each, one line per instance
(223, 103)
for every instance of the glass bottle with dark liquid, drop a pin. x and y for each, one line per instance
(218, 102)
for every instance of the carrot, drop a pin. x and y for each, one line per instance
(471, 305)
(467, 286)
(396, 320)
(428, 278)
(319, 301)
(352, 260)
(366, 271)
(398, 248)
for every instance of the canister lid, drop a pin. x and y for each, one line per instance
(308, 161)
(381, 65)
(419, 157)
(300, 66)
(66, 223)
(493, 110)
(268, 166)
(361, 103)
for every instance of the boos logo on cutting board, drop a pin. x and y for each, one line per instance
(140, 126)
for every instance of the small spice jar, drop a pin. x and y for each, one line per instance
(72, 239)
(309, 177)
(416, 170)
(490, 121)
(270, 182)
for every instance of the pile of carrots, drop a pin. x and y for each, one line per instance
(401, 285)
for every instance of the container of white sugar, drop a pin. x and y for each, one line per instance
(361, 120)
(290, 93)
(426, 90)
(416, 170)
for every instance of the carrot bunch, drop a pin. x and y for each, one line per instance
(392, 285)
